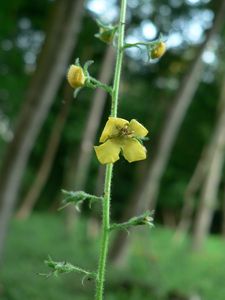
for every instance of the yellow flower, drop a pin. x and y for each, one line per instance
(158, 50)
(75, 76)
(119, 135)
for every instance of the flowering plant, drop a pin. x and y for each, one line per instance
(119, 136)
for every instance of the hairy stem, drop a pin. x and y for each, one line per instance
(119, 58)
(109, 168)
(137, 44)
(99, 84)
(105, 233)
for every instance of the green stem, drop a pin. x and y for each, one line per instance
(119, 58)
(146, 44)
(137, 44)
(105, 233)
(109, 168)
(97, 83)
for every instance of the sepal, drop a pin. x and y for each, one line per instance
(106, 33)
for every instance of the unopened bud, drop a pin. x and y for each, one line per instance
(106, 35)
(158, 50)
(75, 76)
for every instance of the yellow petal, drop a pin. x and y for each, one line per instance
(158, 51)
(112, 128)
(133, 150)
(138, 129)
(75, 76)
(108, 152)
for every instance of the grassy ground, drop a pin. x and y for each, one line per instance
(153, 268)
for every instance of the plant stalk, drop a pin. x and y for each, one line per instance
(99, 84)
(109, 168)
(119, 58)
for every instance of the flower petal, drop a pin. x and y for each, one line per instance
(112, 127)
(133, 150)
(138, 129)
(108, 152)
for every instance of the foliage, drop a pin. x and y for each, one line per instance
(156, 265)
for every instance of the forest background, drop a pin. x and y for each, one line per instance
(47, 138)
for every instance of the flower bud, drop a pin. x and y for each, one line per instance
(75, 76)
(158, 50)
(106, 32)
(106, 35)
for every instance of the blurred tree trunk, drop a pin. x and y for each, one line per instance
(169, 218)
(79, 168)
(182, 101)
(212, 180)
(59, 45)
(99, 186)
(48, 158)
(223, 215)
(120, 245)
(147, 191)
(196, 182)
(193, 187)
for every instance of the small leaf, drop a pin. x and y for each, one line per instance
(77, 198)
(64, 268)
(77, 61)
(142, 139)
(87, 65)
(76, 92)
(144, 219)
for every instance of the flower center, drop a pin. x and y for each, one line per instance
(125, 132)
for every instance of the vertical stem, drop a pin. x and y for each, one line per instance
(109, 168)
(119, 58)
(105, 233)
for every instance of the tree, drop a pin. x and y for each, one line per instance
(210, 187)
(48, 158)
(147, 191)
(193, 187)
(172, 124)
(59, 45)
(223, 214)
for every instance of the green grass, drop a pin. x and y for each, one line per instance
(154, 266)
(170, 266)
